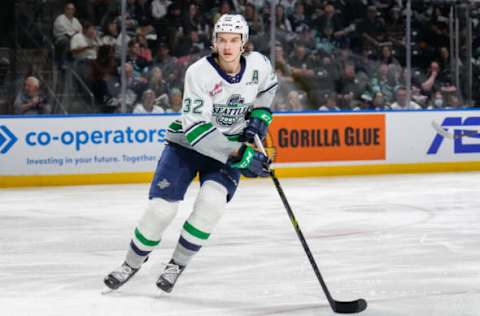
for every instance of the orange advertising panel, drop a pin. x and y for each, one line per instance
(309, 138)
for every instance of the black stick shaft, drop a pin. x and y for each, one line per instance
(294, 222)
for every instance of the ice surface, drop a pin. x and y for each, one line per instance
(409, 244)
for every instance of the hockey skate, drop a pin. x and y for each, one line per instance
(169, 277)
(118, 277)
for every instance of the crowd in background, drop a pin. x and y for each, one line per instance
(329, 55)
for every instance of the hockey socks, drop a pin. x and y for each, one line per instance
(207, 211)
(148, 233)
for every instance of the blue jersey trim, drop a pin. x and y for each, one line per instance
(230, 79)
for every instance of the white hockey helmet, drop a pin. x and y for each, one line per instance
(231, 23)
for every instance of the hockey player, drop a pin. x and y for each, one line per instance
(227, 98)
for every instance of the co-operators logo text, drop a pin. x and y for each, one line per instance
(80, 138)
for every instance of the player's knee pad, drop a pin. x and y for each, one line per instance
(209, 206)
(158, 215)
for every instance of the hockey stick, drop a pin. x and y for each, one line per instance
(356, 306)
(442, 131)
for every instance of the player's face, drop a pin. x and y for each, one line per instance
(229, 46)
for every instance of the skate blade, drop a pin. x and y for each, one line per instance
(106, 290)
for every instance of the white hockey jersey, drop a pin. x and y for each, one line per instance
(215, 104)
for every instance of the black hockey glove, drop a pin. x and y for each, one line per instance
(251, 163)
(258, 122)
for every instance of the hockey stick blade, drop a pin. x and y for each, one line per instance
(352, 307)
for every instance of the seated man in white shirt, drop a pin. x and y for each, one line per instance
(401, 101)
(65, 27)
(148, 105)
(84, 45)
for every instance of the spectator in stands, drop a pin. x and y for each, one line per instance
(157, 83)
(365, 62)
(437, 101)
(289, 6)
(191, 43)
(281, 21)
(417, 95)
(226, 7)
(444, 58)
(84, 45)
(453, 102)
(145, 51)
(136, 85)
(294, 101)
(30, 100)
(386, 56)
(193, 20)
(156, 11)
(134, 57)
(103, 73)
(174, 100)
(379, 103)
(384, 82)
(159, 8)
(306, 38)
(372, 29)
(433, 78)
(300, 66)
(298, 20)
(351, 85)
(166, 62)
(325, 74)
(131, 17)
(253, 19)
(401, 101)
(174, 25)
(110, 33)
(330, 103)
(148, 104)
(332, 26)
(65, 27)
(281, 65)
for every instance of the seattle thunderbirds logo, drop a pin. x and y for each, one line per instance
(230, 113)
(7, 139)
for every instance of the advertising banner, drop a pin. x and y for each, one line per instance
(412, 137)
(76, 145)
(126, 144)
(310, 138)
